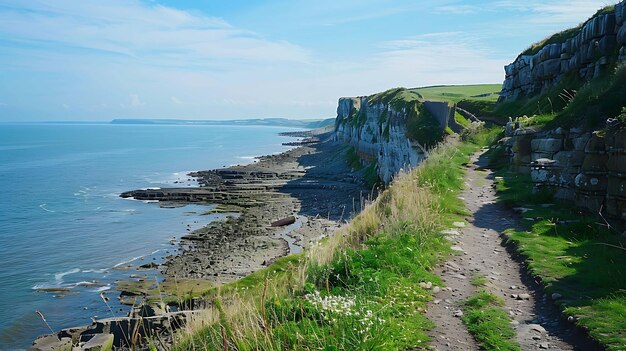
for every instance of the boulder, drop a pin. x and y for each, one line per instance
(568, 159)
(595, 163)
(536, 156)
(596, 143)
(100, 342)
(580, 143)
(591, 183)
(544, 175)
(546, 145)
(51, 342)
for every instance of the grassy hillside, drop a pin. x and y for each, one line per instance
(455, 93)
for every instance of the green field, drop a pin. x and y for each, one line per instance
(455, 93)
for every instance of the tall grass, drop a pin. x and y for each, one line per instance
(358, 289)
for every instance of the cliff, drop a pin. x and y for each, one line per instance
(393, 129)
(578, 54)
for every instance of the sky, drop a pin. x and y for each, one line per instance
(96, 60)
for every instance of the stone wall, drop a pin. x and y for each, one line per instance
(588, 168)
(382, 137)
(587, 54)
(441, 110)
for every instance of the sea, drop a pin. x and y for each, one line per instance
(63, 224)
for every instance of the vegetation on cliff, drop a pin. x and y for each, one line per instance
(561, 37)
(571, 103)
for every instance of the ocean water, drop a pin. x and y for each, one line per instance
(62, 224)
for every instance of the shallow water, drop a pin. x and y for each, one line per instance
(62, 224)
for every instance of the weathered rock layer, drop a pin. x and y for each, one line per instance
(588, 168)
(589, 52)
(380, 133)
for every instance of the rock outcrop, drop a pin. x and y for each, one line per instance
(379, 131)
(587, 52)
(588, 168)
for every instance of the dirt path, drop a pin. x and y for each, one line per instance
(480, 251)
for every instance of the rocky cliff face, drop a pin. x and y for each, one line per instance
(588, 168)
(379, 132)
(587, 52)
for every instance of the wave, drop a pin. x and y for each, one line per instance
(102, 288)
(127, 261)
(59, 276)
(43, 207)
(254, 159)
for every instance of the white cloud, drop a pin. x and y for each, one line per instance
(176, 100)
(553, 12)
(457, 9)
(2, 104)
(154, 34)
(135, 101)
(440, 58)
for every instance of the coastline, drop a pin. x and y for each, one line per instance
(311, 182)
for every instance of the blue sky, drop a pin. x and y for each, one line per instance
(95, 60)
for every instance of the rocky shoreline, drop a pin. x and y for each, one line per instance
(312, 182)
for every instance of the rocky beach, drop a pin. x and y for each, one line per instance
(278, 205)
(312, 183)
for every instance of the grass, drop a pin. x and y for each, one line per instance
(461, 120)
(397, 98)
(423, 127)
(353, 159)
(358, 289)
(573, 102)
(479, 280)
(456, 93)
(573, 254)
(489, 323)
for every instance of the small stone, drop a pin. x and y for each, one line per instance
(436, 302)
(544, 345)
(436, 290)
(513, 287)
(514, 323)
(523, 297)
(536, 337)
(571, 319)
(556, 296)
(514, 296)
(537, 328)
(459, 224)
(458, 313)
(429, 285)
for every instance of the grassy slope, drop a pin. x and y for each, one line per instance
(455, 93)
(359, 289)
(575, 256)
